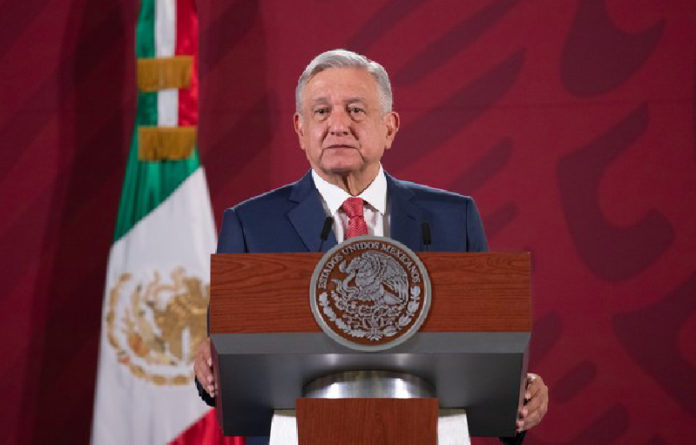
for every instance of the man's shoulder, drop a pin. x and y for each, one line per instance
(276, 200)
(268, 202)
(281, 193)
(452, 216)
(425, 193)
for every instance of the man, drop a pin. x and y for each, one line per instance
(344, 122)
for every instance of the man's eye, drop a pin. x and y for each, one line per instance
(320, 114)
(356, 113)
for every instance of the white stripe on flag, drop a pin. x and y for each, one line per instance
(165, 44)
(165, 28)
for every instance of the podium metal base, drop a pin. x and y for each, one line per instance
(369, 384)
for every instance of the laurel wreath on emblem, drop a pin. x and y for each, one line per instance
(156, 335)
(374, 297)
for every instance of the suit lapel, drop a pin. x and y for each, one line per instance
(406, 217)
(308, 216)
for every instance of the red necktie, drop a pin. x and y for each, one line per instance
(356, 222)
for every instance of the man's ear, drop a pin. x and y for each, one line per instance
(391, 121)
(298, 124)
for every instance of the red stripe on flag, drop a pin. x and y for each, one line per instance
(187, 45)
(206, 431)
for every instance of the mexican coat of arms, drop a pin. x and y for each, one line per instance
(370, 293)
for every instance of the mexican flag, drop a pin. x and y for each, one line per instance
(156, 296)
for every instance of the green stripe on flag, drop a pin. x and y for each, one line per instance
(147, 184)
(145, 49)
(145, 30)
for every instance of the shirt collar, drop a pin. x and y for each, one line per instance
(375, 194)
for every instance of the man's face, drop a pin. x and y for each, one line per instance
(342, 127)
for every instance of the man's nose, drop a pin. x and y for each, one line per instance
(339, 123)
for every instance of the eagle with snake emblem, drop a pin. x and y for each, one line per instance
(374, 296)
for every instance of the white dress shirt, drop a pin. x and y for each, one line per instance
(374, 208)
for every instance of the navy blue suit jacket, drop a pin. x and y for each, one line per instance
(290, 219)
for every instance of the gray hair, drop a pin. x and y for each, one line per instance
(341, 58)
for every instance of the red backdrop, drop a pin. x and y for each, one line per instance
(572, 124)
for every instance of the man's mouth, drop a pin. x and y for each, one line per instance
(339, 146)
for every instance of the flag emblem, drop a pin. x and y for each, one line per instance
(154, 325)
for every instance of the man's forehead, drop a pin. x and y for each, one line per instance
(327, 99)
(348, 82)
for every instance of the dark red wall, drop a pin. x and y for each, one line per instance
(571, 122)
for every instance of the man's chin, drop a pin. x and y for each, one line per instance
(341, 171)
(342, 167)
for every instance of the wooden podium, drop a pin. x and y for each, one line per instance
(267, 347)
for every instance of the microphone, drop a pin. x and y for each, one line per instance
(328, 222)
(426, 236)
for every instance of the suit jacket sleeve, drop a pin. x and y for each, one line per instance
(231, 240)
(476, 236)
(515, 440)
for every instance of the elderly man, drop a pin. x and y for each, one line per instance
(344, 122)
